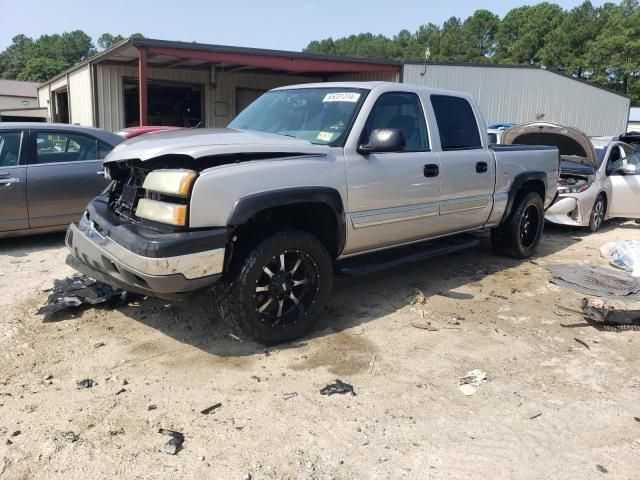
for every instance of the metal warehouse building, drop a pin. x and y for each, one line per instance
(518, 94)
(157, 82)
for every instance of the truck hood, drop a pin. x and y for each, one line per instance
(198, 143)
(575, 147)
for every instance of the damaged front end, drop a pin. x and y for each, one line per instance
(578, 165)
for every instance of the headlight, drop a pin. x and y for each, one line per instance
(577, 189)
(170, 182)
(162, 212)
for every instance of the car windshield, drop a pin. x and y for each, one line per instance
(319, 115)
(601, 152)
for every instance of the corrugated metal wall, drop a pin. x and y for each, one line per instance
(517, 95)
(80, 98)
(366, 77)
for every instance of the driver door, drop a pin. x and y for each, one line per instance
(393, 197)
(625, 187)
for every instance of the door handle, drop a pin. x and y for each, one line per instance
(431, 170)
(482, 167)
(9, 181)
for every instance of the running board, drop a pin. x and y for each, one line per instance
(394, 257)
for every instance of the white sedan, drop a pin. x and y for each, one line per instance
(599, 177)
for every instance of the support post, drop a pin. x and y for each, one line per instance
(142, 85)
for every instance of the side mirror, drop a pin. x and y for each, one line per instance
(626, 170)
(383, 140)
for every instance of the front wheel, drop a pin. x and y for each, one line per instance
(598, 213)
(279, 288)
(521, 232)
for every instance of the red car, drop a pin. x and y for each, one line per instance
(135, 131)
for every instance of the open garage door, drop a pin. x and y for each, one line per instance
(170, 104)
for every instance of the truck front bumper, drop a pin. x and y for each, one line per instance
(144, 261)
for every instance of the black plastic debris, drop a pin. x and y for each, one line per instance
(582, 343)
(77, 290)
(210, 409)
(16, 433)
(289, 396)
(637, 419)
(338, 388)
(99, 344)
(604, 317)
(596, 281)
(86, 383)
(152, 407)
(122, 390)
(602, 469)
(174, 445)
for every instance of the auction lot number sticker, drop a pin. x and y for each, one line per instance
(342, 97)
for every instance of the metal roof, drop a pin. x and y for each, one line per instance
(515, 66)
(17, 88)
(172, 54)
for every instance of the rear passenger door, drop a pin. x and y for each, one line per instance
(13, 185)
(63, 176)
(466, 165)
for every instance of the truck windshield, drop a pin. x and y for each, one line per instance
(318, 115)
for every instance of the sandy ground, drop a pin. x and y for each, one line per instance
(550, 409)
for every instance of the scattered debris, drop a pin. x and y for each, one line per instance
(494, 294)
(174, 445)
(637, 419)
(125, 382)
(535, 416)
(122, 390)
(70, 436)
(152, 407)
(424, 326)
(247, 477)
(48, 377)
(16, 433)
(289, 396)
(582, 343)
(372, 363)
(471, 381)
(9, 442)
(99, 344)
(86, 383)
(235, 337)
(79, 289)
(338, 388)
(596, 281)
(602, 469)
(210, 409)
(624, 254)
(256, 378)
(417, 298)
(604, 317)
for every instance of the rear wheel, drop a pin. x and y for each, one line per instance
(521, 232)
(279, 288)
(598, 213)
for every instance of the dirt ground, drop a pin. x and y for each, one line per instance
(551, 408)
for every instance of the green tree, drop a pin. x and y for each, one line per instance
(479, 32)
(523, 30)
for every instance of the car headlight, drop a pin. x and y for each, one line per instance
(162, 212)
(170, 182)
(577, 189)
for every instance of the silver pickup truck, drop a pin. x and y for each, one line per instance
(307, 181)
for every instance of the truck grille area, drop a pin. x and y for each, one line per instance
(124, 196)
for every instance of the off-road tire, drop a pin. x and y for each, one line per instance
(508, 238)
(598, 213)
(235, 294)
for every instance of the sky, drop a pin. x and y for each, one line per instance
(274, 24)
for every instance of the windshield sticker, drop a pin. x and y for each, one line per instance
(342, 97)
(325, 136)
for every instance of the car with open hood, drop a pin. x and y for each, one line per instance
(597, 175)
